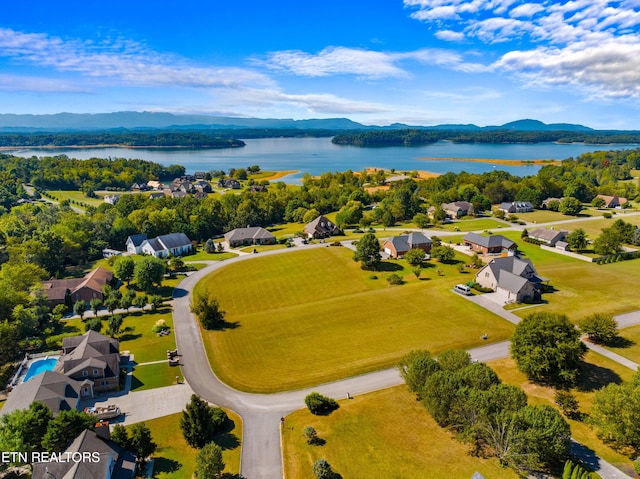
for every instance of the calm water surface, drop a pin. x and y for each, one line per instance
(317, 155)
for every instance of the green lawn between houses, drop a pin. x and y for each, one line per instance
(312, 316)
(175, 459)
(382, 434)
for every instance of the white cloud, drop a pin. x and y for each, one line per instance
(39, 84)
(526, 10)
(121, 60)
(611, 69)
(364, 63)
(449, 35)
(336, 61)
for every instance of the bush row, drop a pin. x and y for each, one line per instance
(614, 258)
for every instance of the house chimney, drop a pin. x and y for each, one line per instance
(102, 430)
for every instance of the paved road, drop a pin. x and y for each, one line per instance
(261, 413)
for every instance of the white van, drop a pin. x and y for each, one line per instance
(462, 289)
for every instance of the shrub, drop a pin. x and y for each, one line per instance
(160, 325)
(320, 405)
(607, 215)
(322, 469)
(395, 279)
(373, 276)
(310, 434)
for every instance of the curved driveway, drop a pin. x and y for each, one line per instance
(261, 413)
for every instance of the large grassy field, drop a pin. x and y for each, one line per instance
(582, 288)
(382, 434)
(598, 371)
(594, 227)
(175, 459)
(312, 316)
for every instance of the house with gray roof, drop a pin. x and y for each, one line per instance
(55, 390)
(516, 207)
(114, 462)
(398, 246)
(492, 244)
(548, 236)
(134, 243)
(252, 235)
(515, 280)
(174, 244)
(93, 357)
(322, 227)
(457, 209)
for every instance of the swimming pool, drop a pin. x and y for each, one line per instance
(40, 366)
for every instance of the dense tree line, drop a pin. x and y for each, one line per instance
(127, 139)
(413, 137)
(64, 173)
(494, 418)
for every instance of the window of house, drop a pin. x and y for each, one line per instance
(96, 372)
(85, 373)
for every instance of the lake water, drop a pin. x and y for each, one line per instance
(318, 155)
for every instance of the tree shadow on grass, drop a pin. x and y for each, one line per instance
(620, 342)
(223, 325)
(224, 438)
(129, 336)
(388, 266)
(594, 377)
(135, 383)
(165, 465)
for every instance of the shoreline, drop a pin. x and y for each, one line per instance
(129, 147)
(494, 161)
(279, 174)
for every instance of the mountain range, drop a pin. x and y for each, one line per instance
(132, 120)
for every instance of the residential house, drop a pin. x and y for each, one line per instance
(563, 246)
(181, 185)
(134, 243)
(113, 461)
(155, 185)
(55, 390)
(492, 244)
(252, 235)
(200, 195)
(321, 228)
(200, 175)
(257, 189)
(140, 187)
(516, 207)
(111, 199)
(514, 280)
(548, 236)
(457, 209)
(93, 358)
(174, 244)
(178, 194)
(231, 183)
(613, 201)
(202, 186)
(545, 203)
(77, 289)
(156, 196)
(398, 246)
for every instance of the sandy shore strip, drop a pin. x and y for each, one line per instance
(495, 161)
(279, 174)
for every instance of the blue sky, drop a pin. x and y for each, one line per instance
(414, 61)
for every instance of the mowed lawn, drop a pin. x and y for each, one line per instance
(312, 316)
(582, 288)
(597, 372)
(175, 459)
(382, 434)
(631, 347)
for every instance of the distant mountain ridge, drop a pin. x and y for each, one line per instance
(16, 123)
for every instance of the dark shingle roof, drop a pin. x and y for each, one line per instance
(492, 241)
(56, 391)
(138, 239)
(252, 232)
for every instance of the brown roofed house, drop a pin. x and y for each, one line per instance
(79, 289)
(321, 228)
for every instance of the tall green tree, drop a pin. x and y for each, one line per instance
(209, 462)
(577, 240)
(200, 422)
(415, 368)
(601, 328)
(141, 442)
(547, 348)
(124, 268)
(64, 428)
(148, 272)
(368, 252)
(207, 309)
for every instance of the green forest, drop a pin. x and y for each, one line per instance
(414, 137)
